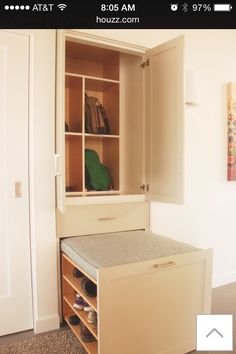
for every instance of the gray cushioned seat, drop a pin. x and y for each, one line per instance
(97, 251)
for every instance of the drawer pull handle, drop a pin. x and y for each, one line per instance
(107, 218)
(164, 265)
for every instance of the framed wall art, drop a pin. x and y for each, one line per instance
(231, 96)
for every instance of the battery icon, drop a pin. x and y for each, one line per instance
(222, 7)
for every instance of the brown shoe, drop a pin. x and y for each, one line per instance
(85, 334)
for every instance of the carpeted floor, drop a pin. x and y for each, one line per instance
(63, 342)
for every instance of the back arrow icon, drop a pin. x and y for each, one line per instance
(214, 330)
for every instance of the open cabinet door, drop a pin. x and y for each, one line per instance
(60, 125)
(164, 116)
(132, 124)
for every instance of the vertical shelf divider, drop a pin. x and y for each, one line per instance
(83, 135)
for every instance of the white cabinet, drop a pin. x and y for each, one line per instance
(143, 97)
(143, 307)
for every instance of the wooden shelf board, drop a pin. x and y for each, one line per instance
(102, 136)
(73, 134)
(81, 314)
(92, 78)
(92, 193)
(75, 283)
(91, 347)
(76, 266)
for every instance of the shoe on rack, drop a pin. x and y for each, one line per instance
(79, 302)
(87, 307)
(85, 334)
(90, 289)
(77, 273)
(74, 320)
(92, 317)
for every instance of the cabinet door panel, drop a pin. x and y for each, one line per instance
(151, 306)
(132, 124)
(164, 114)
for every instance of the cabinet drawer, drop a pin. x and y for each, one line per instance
(102, 218)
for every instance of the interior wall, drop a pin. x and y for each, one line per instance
(207, 217)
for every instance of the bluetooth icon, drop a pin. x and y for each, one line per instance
(185, 7)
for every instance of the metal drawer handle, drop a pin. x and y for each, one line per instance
(107, 218)
(164, 265)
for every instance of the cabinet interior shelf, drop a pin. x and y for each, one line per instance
(67, 263)
(102, 135)
(69, 299)
(95, 136)
(73, 133)
(92, 193)
(75, 284)
(87, 77)
(91, 347)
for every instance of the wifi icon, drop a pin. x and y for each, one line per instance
(62, 6)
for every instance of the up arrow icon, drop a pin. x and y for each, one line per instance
(214, 333)
(214, 330)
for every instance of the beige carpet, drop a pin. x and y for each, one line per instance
(63, 342)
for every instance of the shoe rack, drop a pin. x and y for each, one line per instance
(70, 286)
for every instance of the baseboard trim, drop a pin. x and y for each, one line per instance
(224, 279)
(46, 324)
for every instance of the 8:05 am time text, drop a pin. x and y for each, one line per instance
(117, 7)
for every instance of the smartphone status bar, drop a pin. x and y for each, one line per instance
(117, 15)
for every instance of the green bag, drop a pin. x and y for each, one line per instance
(96, 174)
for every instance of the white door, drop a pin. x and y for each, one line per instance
(15, 270)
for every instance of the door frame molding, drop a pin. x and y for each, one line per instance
(104, 42)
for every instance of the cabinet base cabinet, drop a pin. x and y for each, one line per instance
(149, 306)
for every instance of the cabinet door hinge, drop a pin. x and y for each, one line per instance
(145, 187)
(145, 63)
